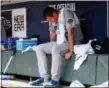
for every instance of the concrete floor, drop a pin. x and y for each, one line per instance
(21, 83)
(26, 79)
(61, 86)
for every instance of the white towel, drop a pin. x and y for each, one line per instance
(77, 83)
(29, 48)
(84, 48)
(82, 52)
(103, 85)
(61, 29)
(80, 58)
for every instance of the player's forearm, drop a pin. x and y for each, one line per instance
(52, 39)
(71, 40)
(52, 36)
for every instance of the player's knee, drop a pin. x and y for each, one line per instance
(38, 48)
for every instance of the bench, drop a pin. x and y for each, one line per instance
(93, 72)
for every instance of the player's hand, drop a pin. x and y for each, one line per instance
(68, 55)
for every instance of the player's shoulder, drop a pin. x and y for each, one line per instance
(68, 11)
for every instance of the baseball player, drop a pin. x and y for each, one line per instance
(65, 31)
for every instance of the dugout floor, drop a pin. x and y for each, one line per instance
(22, 81)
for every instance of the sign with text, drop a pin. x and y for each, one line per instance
(19, 23)
(66, 5)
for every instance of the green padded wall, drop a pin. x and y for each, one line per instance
(86, 72)
(5, 56)
(26, 64)
(102, 69)
(93, 71)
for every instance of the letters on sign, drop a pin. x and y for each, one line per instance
(19, 23)
(66, 5)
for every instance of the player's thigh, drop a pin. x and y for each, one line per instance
(46, 47)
